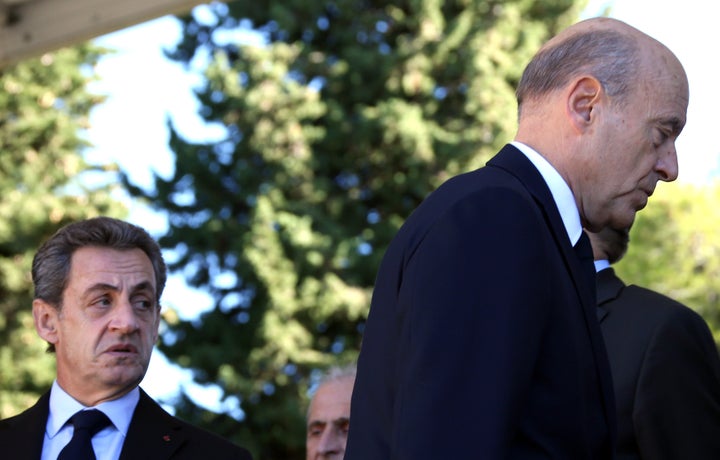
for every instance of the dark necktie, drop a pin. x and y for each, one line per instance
(86, 424)
(583, 249)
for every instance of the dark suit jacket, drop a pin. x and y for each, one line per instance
(153, 435)
(666, 373)
(482, 339)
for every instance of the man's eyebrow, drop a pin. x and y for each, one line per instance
(341, 420)
(101, 287)
(675, 124)
(142, 286)
(316, 423)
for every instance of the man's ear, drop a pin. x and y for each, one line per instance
(45, 317)
(582, 102)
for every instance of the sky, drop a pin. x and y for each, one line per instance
(144, 89)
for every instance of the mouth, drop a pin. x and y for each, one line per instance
(122, 349)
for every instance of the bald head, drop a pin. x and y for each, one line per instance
(604, 104)
(608, 49)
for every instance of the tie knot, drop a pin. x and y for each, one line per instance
(90, 420)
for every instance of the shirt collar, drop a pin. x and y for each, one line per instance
(601, 265)
(560, 190)
(63, 406)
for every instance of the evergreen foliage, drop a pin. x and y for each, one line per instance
(44, 184)
(347, 116)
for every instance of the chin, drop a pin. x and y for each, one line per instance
(623, 222)
(126, 375)
(616, 221)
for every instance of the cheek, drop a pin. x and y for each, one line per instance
(154, 330)
(149, 339)
(624, 172)
(73, 352)
(74, 335)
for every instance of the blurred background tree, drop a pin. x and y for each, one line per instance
(336, 127)
(44, 184)
(675, 248)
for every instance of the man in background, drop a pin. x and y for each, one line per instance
(328, 416)
(664, 362)
(98, 284)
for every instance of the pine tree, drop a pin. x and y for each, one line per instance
(335, 129)
(44, 184)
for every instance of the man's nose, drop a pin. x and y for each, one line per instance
(667, 165)
(124, 318)
(330, 442)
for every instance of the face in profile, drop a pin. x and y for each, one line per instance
(634, 142)
(329, 420)
(106, 328)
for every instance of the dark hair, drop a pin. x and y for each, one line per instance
(52, 263)
(611, 242)
(610, 56)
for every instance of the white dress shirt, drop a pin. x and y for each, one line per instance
(107, 443)
(560, 190)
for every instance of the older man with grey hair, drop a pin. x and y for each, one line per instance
(328, 417)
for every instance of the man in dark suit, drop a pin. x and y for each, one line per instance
(482, 339)
(98, 284)
(664, 363)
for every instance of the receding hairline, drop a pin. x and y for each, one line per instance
(333, 376)
(612, 52)
(611, 26)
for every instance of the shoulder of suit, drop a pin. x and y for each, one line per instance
(213, 442)
(195, 433)
(39, 410)
(661, 303)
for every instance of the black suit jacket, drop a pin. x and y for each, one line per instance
(666, 374)
(153, 435)
(482, 339)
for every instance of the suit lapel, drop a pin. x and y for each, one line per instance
(153, 433)
(609, 287)
(517, 164)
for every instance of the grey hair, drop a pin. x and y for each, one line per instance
(336, 373)
(333, 374)
(610, 56)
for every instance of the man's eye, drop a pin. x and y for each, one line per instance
(143, 304)
(660, 137)
(315, 430)
(102, 302)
